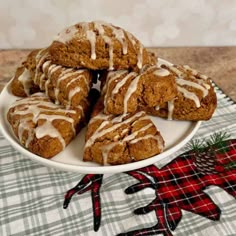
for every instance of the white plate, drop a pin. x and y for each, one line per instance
(175, 133)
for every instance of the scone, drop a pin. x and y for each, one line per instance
(43, 127)
(22, 84)
(126, 92)
(66, 86)
(97, 46)
(196, 99)
(112, 140)
(31, 60)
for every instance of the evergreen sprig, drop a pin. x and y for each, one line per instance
(197, 145)
(217, 138)
(218, 141)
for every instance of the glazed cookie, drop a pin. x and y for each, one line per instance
(126, 92)
(196, 99)
(43, 127)
(121, 139)
(98, 46)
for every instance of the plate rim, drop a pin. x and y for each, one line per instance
(90, 169)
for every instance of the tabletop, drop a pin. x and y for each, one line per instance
(190, 192)
(217, 62)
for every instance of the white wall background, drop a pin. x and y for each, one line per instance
(33, 23)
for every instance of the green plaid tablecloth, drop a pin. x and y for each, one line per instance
(31, 195)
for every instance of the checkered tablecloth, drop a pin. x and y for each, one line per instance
(32, 196)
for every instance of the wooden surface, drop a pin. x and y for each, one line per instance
(217, 62)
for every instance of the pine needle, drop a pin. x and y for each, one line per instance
(217, 138)
(197, 145)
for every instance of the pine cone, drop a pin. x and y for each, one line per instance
(205, 162)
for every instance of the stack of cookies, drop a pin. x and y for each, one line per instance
(59, 98)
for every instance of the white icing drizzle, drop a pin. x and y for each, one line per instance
(61, 77)
(204, 77)
(190, 95)
(47, 129)
(119, 34)
(100, 116)
(106, 150)
(133, 135)
(25, 79)
(170, 109)
(201, 82)
(122, 82)
(148, 136)
(21, 129)
(140, 119)
(100, 131)
(112, 76)
(39, 59)
(119, 119)
(146, 68)
(182, 82)
(98, 26)
(76, 79)
(131, 38)
(85, 26)
(41, 80)
(30, 137)
(140, 57)
(46, 88)
(59, 117)
(132, 88)
(195, 72)
(124, 131)
(110, 44)
(207, 86)
(67, 34)
(72, 93)
(161, 72)
(52, 69)
(45, 65)
(81, 110)
(23, 126)
(91, 36)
